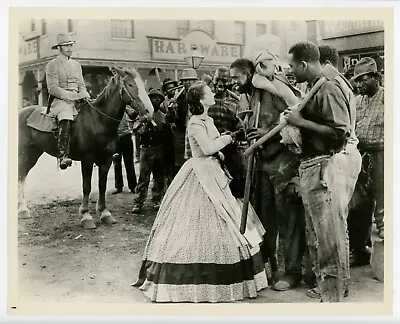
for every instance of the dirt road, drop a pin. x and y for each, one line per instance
(61, 262)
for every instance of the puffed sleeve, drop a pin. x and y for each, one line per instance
(53, 83)
(198, 131)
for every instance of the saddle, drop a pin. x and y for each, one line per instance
(42, 120)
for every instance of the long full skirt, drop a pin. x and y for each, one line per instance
(195, 252)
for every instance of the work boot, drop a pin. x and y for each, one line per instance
(137, 208)
(360, 257)
(63, 143)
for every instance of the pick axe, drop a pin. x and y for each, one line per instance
(328, 73)
(250, 162)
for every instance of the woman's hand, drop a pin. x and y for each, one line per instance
(231, 134)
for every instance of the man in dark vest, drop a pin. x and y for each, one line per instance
(177, 114)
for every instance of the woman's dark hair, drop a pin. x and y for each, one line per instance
(193, 97)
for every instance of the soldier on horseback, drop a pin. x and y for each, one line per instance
(65, 85)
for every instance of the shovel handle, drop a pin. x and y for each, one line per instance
(249, 174)
(247, 187)
(281, 125)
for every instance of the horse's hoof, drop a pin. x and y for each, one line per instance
(24, 213)
(88, 222)
(107, 219)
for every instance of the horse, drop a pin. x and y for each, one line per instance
(93, 139)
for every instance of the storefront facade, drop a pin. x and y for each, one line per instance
(354, 39)
(142, 44)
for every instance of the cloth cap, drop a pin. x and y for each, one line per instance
(155, 92)
(365, 66)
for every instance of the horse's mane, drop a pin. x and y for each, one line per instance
(107, 91)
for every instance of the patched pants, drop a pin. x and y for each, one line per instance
(280, 209)
(327, 184)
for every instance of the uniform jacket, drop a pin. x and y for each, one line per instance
(64, 79)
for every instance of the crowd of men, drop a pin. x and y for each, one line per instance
(318, 193)
(317, 188)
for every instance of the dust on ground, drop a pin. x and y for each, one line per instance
(59, 261)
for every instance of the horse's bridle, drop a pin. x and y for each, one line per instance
(123, 88)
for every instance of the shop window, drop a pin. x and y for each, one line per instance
(122, 28)
(183, 28)
(240, 32)
(205, 25)
(261, 29)
(44, 27)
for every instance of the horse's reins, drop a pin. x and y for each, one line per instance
(104, 114)
(123, 88)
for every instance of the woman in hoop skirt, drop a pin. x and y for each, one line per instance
(195, 252)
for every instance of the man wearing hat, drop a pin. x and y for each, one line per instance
(152, 141)
(224, 114)
(178, 114)
(370, 131)
(169, 89)
(65, 85)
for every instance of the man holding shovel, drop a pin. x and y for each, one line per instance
(274, 198)
(329, 167)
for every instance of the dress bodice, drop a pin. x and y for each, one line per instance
(204, 138)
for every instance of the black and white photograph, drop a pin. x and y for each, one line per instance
(222, 161)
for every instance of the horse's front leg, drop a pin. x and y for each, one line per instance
(105, 215)
(87, 170)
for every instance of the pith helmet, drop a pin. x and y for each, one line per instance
(63, 39)
(189, 74)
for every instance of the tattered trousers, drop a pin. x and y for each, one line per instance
(327, 184)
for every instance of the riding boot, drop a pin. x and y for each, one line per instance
(63, 143)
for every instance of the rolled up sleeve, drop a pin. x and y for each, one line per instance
(335, 108)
